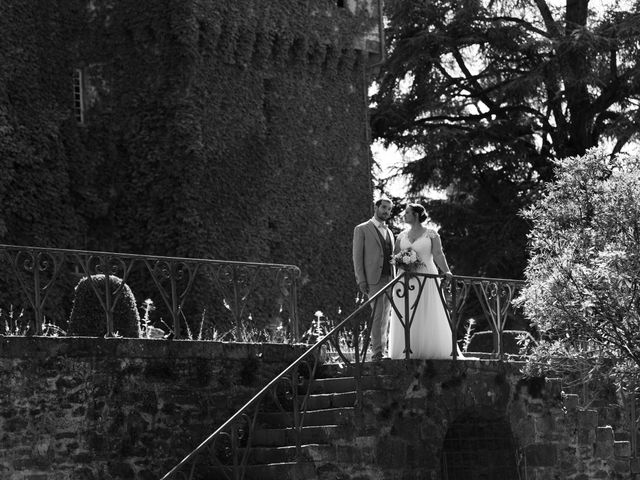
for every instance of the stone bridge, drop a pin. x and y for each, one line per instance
(480, 419)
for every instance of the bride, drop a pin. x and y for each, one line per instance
(430, 332)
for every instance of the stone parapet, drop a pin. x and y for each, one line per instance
(89, 408)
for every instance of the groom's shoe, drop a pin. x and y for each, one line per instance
(376, 357)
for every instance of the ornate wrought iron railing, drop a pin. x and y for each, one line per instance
(40, 281)
(226, 452)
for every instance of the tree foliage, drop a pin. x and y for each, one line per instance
(583, 277)
(489, 92)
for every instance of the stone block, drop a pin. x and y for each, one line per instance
(22, 463)
(541, 455)
(612, 415)
(635, 465)
(585, 452)
(542, 473)
(346, 454)
(120, 469)
(571, 401)
(545, 426)
(568, 469)
(568, 451)
(391, 452)
(604, 434)
(622, 448)
(535, 408)
(622, 466)
(526, 431)
(587, 418)
(553, 388)
(604, 442)
(622, 435)
(586, 436)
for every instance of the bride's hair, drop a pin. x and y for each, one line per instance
(419, 210)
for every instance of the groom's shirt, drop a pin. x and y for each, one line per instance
(382, 228)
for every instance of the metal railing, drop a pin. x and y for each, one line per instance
(226, 452)
(40, 281)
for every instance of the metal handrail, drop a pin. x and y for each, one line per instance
(451, 294)
(258, 396)
(38, 271)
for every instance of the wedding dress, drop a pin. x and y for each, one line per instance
(430, 329)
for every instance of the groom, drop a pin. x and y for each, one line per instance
(372, 249)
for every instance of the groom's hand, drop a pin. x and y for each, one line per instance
(364, 288)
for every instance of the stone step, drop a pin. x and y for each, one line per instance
(283, 437)
(333, 385)
(328, 416)
(331, 400)
(622, 436)
(271, 471)
(348, 384)
(317, 453)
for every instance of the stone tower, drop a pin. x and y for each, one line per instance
(226, 129)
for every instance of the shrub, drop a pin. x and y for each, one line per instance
(583, 277)
(88, 317)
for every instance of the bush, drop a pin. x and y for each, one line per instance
(583, 277)
(88, 317)
(512, 342)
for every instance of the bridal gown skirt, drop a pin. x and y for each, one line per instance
(430, 330)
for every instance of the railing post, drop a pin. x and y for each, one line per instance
(407, 317)
(293, 307)
(108, 298)
(174, 301)
(38, 319)
(454, 318)
(297, 420)
(499, 326)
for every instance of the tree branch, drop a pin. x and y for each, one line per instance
(547, 17)
(499, 111)
(527, 25)
(487, 101)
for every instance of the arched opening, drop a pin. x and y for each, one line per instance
(479, 446)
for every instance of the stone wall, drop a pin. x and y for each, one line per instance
(481, 420)
(103, 409)
(89, 409)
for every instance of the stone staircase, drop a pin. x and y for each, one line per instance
(328, 424)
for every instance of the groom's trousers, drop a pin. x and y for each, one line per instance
(381, 308)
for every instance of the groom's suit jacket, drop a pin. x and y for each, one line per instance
(368, 253)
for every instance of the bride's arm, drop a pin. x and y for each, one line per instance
(438, 256)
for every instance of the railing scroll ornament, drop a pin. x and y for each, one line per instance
(30, 275)
(348, 343)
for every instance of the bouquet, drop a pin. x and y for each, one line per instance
(406, 259)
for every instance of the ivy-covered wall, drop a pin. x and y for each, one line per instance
(227, 129)
(42, 175)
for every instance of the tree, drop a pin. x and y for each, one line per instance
(583, 278)
(489, 93)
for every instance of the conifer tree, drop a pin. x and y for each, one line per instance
(489, 93)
